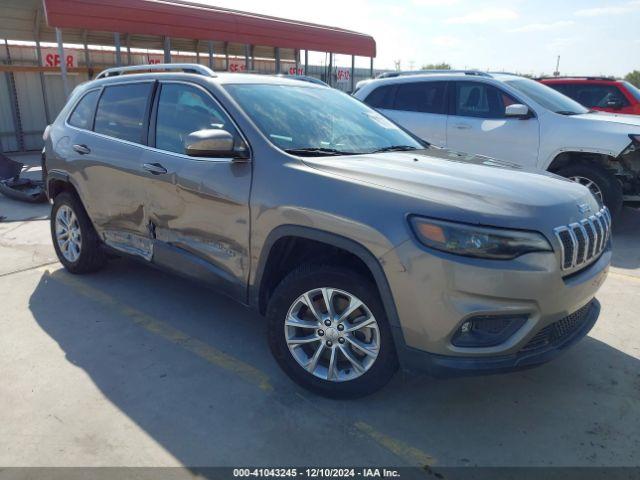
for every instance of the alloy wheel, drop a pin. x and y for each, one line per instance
(68, 234)
(332, 334)
(591, 185)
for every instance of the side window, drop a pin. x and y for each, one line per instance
(121, 111)
(183, 109)
(426, 97)
(82, 116)
(381, 97)
(475, 99)
(600, 96)
(564, 88)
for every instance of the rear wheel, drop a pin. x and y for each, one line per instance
(329, 333)
(74, 238)
(604, 186)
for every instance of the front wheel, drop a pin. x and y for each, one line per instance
(329, 332)
(603, 185)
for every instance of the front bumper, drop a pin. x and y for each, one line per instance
(435, 294)
(448, 366)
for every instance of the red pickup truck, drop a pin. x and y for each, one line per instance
(598, 93)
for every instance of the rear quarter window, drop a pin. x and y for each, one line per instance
(381, 97)
(82, 116)
(122, 111)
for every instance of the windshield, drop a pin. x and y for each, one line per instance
(633, 89)
(306, 120)
(547, 97)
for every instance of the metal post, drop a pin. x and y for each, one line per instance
(296, 54)
(277, 55)
(330, 76)
(226, 56)
(167, 50)
(197, 47)
(87, 55)
(306, 62)
(128, 40)
(371, 68)
(252, 51)
(246, 57)
(43, 86)
(211, 64)
(116, 41)
(353, 72)
(15, 107)
(63, 63)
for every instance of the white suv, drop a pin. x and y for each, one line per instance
(519, 120)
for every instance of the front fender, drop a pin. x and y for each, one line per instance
(593, 133)
(335, 240)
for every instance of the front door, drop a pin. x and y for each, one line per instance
(198, 208)
(477, 124)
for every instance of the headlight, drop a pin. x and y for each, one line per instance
(472, 241)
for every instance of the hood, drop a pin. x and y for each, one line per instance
(467, 188)
(615, 118)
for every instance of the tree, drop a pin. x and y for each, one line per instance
(437, 66)
(633, 78)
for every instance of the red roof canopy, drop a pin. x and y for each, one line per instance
(203, 22)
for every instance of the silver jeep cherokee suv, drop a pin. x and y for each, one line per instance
(364, 248)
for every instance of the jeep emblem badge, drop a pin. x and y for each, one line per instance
(584, 208)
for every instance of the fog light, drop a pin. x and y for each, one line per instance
(487, 331)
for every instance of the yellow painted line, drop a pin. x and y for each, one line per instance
(403, 450)
(624, 275)
(216, 357)
(27, 269)
(166, 331)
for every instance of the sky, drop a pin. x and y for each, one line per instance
(524, 36)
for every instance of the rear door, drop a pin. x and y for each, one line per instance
(418, 106)
(198, 208)
(108, 155)
(477, 124)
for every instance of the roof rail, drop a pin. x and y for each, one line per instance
(183, 67)
(432, 72)
(578, 77)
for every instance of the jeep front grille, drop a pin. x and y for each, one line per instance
(557, 332)
(581, 242)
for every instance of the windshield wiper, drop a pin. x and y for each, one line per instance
(567, 112)
(317, 151)
(395, 148)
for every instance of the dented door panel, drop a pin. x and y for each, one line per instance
(201, 206)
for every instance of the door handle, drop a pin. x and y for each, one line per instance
(462, 126)
(82, 149)
(154, 168)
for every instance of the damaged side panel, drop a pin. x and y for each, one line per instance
(629, 172)
(200, 210)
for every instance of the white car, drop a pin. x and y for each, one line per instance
(518, 120)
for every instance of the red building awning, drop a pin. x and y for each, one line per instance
(203, 22)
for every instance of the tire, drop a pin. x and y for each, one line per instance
(343, 286)
(89, 256)
(605, 181)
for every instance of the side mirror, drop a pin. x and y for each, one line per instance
(215, 143)
(517, 110)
